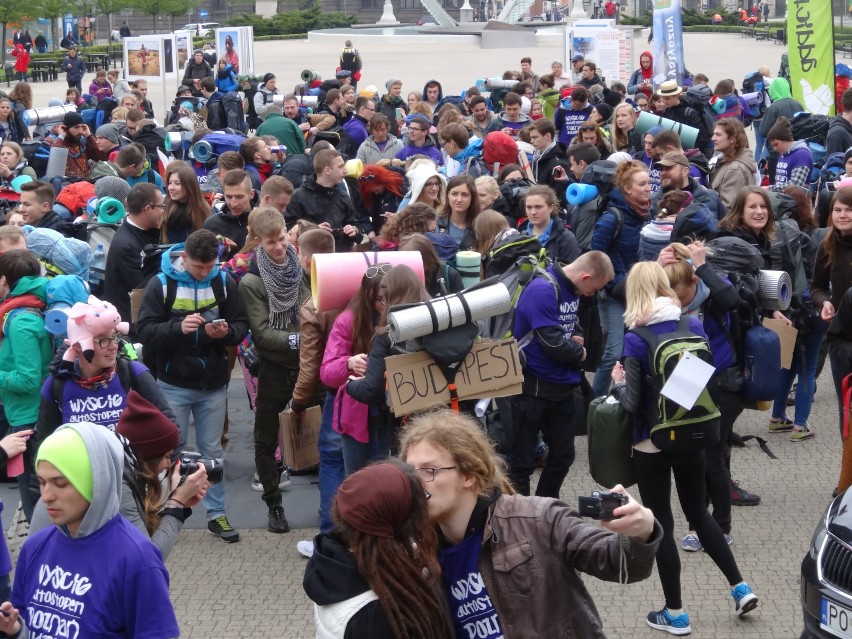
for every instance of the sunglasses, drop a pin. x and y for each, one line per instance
(588, 127)
(366, 178)
(374, 271)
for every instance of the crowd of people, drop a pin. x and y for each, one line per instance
(211, 268)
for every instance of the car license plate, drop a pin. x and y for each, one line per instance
(836, 619)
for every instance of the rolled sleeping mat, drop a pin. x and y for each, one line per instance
(110, 210)
(56, 319)
(578, 194)
(308, 76)
(489, 84)
(448, 311)
(19, 181)
(304, 100)
(56, 162)
(354, 168)
(336, 277)
(47, 115)
(175, 139)
(775, 290)
(688, 134)
(467, 264)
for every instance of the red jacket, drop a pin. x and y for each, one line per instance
(23, 58)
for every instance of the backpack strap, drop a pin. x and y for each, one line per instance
(126, 374)
(217, 284)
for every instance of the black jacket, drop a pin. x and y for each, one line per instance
(705, 196)
(296, 168)
(235, 228)
(192, 360)
(839, 136)
(317, 204)
(52, 221)
(196, 71)
(687, 115)
(543, 171)
(331, 577)
(124, 265)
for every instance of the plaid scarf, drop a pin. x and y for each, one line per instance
(283, 284)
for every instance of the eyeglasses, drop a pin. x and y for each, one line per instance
(374, 271)
(416, 128)
(428, 474)
(432, 185)
(158, 206)
(369, 108)
(588, 127)
(104, 342)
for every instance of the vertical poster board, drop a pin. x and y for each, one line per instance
(236, 45)
(183, 46)
(611, 49)
(143, 58)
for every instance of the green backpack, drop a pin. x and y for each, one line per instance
(675, 428)
(610, 429)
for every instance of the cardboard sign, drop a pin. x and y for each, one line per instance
(787, 337)
(491, 369)
(298, 439)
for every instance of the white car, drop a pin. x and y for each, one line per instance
(201, 28)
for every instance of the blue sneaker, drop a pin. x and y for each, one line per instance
(662, 620)
(745, 599)
(690, 543)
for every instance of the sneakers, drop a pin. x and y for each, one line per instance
(782, 425)
(283, 481)
(690, 543)
(745, 599)
(277, 520)
(305, 548)
(541, 452)
(662, 620)
(221, 527)
(741, 497)
(801, 433)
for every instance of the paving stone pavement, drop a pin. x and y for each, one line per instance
(253, 588)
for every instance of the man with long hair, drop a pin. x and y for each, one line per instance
(522, 555)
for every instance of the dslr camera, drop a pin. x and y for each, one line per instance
(189, 464)
(601, 504)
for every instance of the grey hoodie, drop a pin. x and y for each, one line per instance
(107, 457)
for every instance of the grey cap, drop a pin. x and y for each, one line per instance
(111, 186)
(110, 132)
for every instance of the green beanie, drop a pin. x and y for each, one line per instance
(66, 450)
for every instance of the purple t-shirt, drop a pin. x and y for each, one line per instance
(539, 307)
(473, 613)
(797, 157)
(102, 406)
(571, 121)
(111, 584)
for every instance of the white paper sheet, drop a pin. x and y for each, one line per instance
(688, 379)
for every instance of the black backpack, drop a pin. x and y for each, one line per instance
(252, 119)
(755, 83)
(234, 117)
(705, 112)
(810, 127)
(582, 218)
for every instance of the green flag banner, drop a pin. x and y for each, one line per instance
(810, 37)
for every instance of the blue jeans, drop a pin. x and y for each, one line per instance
(759, 142)
(331, 465)
(612, 321)
(208, 409)
(356, 455)
(805, 359)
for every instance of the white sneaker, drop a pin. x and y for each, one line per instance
(283, 481)
(305, 548)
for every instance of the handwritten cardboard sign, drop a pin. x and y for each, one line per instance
(491, 369)
(298, 438)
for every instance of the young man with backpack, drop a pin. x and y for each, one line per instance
(26, 349)
(223, 110)
(190, 312)
(36, 205)
(547, 328)
(679, 111)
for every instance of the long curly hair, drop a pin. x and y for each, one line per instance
(375, 175)
(403, 570)
(733, 128)
(414, 218)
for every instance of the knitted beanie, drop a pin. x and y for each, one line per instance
(110, 132)
(392, 82)
(66, 450)
(150, 433)
(781, 130)
(112, 186)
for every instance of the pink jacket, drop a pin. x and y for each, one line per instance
(350, 416)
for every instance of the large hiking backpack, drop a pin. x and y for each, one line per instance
(234, 117)
(675, 427)
(811, 128)
(516, 279)
(60, 255)
(610, 431)
(585, 214)
(755, 83)
(761, 364)
(739, 262)
(103, 112)
(833, 166)
(250, 87)
(506, 252)
(704, 110)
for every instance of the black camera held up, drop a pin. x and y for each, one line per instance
(189, 464)
(601, 504)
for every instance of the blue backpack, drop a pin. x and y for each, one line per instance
(761, 364)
